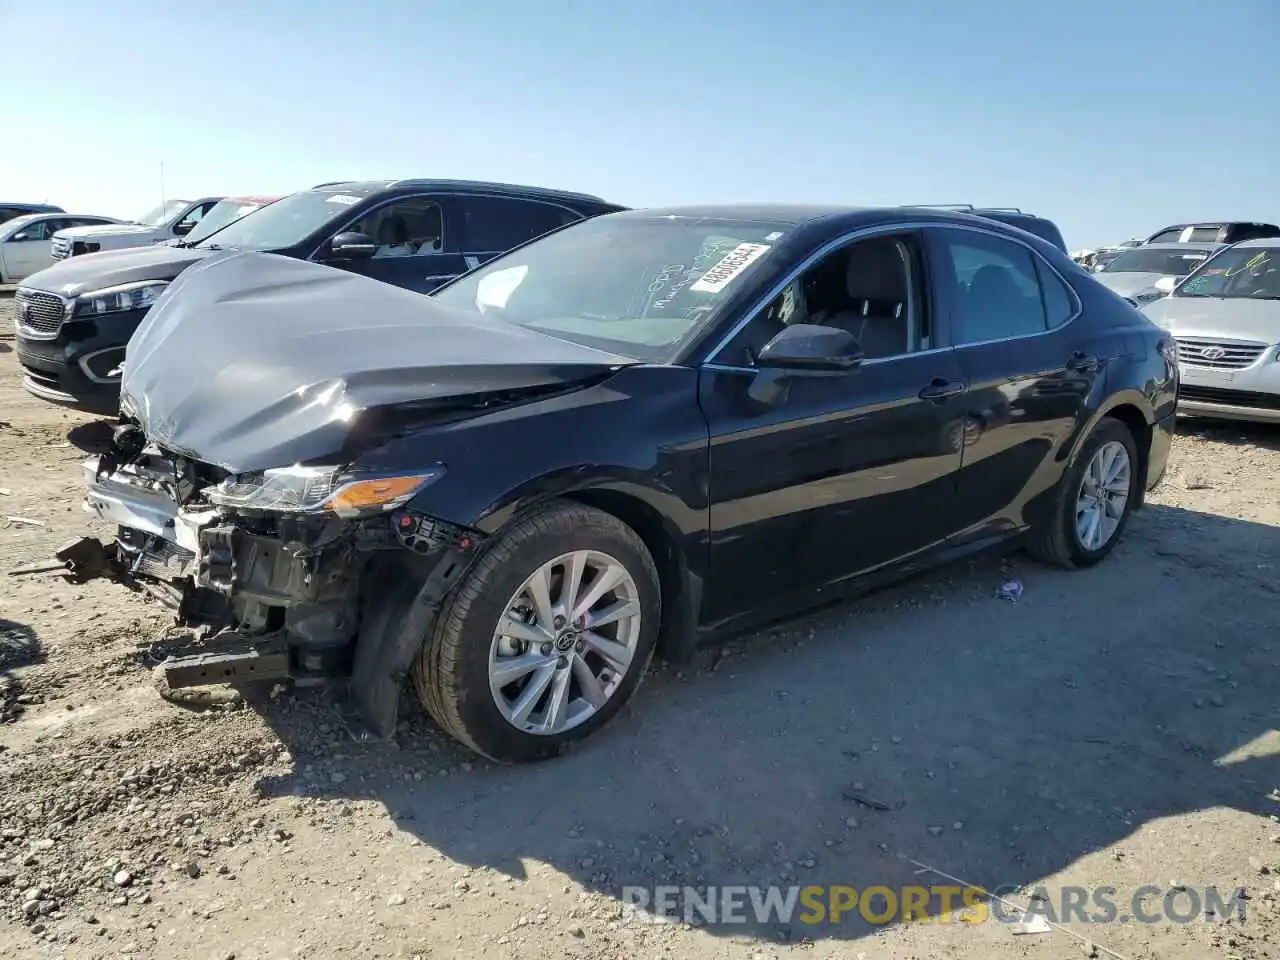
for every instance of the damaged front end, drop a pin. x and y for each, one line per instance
(307, 573)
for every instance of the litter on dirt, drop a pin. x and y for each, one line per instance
(1010, 590)
(25, 520)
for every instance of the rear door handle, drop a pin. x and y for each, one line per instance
(939, 389)
(1082, 362)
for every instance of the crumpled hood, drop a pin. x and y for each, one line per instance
(1234, 318)
(253, 360)
(1128, 284)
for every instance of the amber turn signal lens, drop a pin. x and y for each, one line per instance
(363, 496)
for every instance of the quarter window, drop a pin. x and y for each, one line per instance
(496, 224)
(997, 290)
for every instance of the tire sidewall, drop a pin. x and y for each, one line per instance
(484, 722)
(1106, 431)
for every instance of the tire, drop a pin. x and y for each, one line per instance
(1057, 541)
(452, 670)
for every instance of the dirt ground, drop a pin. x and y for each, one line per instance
(1116, 726)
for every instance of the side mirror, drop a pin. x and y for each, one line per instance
(352, 245)
(811, 347)
(185, 227)
(19, 237)
(1166, 284)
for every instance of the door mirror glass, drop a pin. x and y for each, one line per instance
(808, 346)
(352, 245)
(1166, 284)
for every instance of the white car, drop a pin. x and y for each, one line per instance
(24, 241)
(1134, 273)
(1225, 318)
(169, 221)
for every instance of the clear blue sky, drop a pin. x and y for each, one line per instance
(1113, 118)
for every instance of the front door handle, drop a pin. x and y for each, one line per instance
(1082, 362)
(939, 389)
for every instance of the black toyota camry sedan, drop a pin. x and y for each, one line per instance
(635, 434)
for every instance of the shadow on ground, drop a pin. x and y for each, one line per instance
(92, 437)
(19, 647)
(1007, 739)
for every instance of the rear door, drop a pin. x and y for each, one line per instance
(1029, 366)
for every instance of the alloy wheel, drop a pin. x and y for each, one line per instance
(1103, 496)
(566, 642)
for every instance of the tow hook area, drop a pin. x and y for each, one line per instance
(79, 560)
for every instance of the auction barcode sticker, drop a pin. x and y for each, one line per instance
(732, 264)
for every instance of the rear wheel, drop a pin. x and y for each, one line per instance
(547, 637)
(1093, 501)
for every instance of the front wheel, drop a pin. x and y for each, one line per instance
(546, 638)
(1093, 501)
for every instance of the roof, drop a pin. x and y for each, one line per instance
(364, 187)
(50, 215)
(1206, 245)
(252, 199)
(797, 214)
(791, 214)
(1217, 223)
(1255, 242)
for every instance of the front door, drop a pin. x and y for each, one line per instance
(418, 246)
(836, 474)
(27, 251)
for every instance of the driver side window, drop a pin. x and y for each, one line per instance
(413, 227)
(872, 288)
(32, 232)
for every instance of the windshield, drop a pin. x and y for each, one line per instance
(1169, 263)
(223, 213)
(633, 286)
(163, 213)
(1239, 273)
(285, 222)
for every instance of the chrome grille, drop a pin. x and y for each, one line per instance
(60, 248)
(40, 314)
(1219, 354)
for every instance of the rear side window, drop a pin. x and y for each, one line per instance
(1059, 305)
(496, 224)
(997, 288)
(1205, 234)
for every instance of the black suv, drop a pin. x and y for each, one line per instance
(76, 317)
(1214, 232)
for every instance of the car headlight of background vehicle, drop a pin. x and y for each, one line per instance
(345, 493)
(126, 296)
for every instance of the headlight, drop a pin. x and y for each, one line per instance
(317, 489)
(127, 296)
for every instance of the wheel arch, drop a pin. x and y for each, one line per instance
(1132, 409)
(680, 588)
